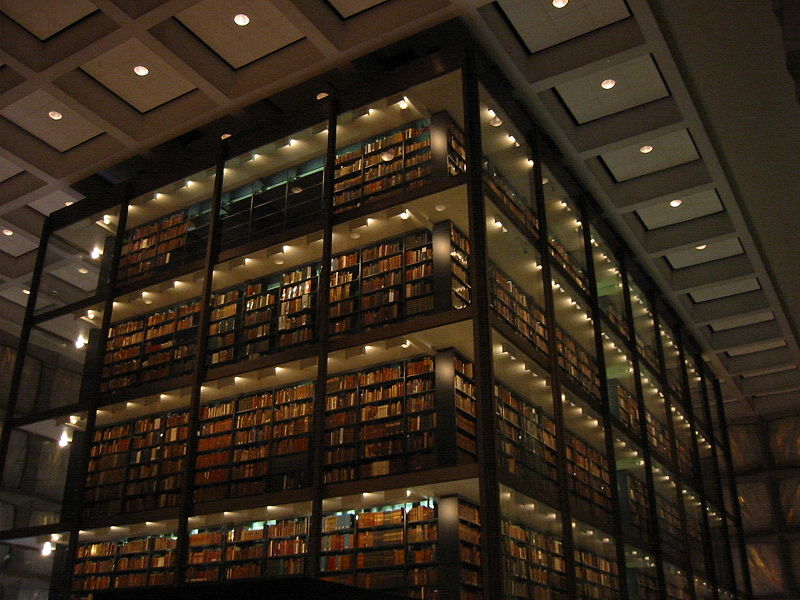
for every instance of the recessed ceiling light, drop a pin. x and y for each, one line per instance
(241, 19)
(646, 149)
(7, 232)
(545, 181)
(68, 203)
(296, 189)
(83, 270)
(440, 207)
(141, 70)
(495, 121)
(322, 95)
(560, 3)
(387, 156)
(26, 292)
(675, 203)
(530, 162)
(55, 115)
(608, 84)
(701, 247)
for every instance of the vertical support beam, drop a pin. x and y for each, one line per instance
(726, 541)
(90, 391)
(320, 385)
(482, 338)
(655, 530)
(605, 403)
(200, 368)
(708, 550)
(555, 382)
(737, 509)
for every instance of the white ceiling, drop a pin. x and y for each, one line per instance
(77, 58)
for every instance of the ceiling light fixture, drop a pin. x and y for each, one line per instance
(322, 95)
(608, 84)
(83, 270)
(141, 70)
(26, 292)
(55, 115)
(560, 3)
(387, 156)
(646, 149)
(403, 103)
(241, 19)
(701, 247)
(7, 232)
(675, 203)
(68, 203)
(96, 253)
(495, 121)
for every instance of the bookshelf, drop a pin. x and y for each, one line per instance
(527, 436)
(590, 481)
(624, 405)
(534, 563)
(577, 363)
(635, 505)
(136, 466)
(618, 320)
(399, 159)
(399, 417)
(518, 309)
(397, 548)
(223, 328)
(597, 576)
(659, 438)
(123, 563)
(642, 585)
(563, 259)
(501, 192)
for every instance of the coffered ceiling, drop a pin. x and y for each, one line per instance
(701, 110)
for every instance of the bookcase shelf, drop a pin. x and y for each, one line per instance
(642, 585)
(124, 563)
(577, 363)
(500, 191)
(563, 259)
(635, 506)
(535, 567)
(136, 466)
(624, 405)
(518, 309)
(659, 438)
(399, 417)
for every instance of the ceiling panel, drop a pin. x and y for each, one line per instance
(668, 150)
(680, 259)
(348, 8)
(742, 320)
(52, 202)
(723, 290)
(267, 31)
(44, 18)
(760, 347)
(16, 245)
(74, 274)
(636, 82)
(15, 294)
(541, 25)
(690, 207)
(8, 169)
(114, 70)
(31, 113)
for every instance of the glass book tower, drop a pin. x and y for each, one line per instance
(381, 342)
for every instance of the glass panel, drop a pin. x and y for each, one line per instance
(25, 572)
(672, 359)
(635, 506)
(692, 506)
(274, 188)
(166, 228)
(677, 583)
(621, 385)
(644, 326)
(642, 578)
(59, 353)
(609, 284)
(76, 261)
(34, 484)
(596, 570)
(659, 434)
(566, 233)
